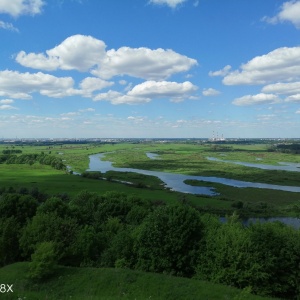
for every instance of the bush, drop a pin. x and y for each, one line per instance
(43, 263)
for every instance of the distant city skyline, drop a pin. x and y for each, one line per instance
(149, 68)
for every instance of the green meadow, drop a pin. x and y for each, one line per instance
(112, 284)
(176, 158)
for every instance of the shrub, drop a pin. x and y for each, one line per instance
(43, 263)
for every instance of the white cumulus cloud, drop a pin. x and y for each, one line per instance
(293, 98)
(6, 107)
(282, 64)
(91, 84)
(256, 99)
(21, 85)
(143, 63)
(77, 52)
(221, 72)
(282, 88)
(6, 101)
(85, 53)
(163, 89)
(289, 12)
(148, 90)
(115, 98)
(210, 92)
(16, 8)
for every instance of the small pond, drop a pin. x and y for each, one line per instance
(152, 155)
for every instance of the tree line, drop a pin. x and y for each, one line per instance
(43, 159)
(293, 148)
(123, 231)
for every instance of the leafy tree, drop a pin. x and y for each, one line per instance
(22, 207)
(55, 205)
(49, 227)
(44, 261)
(84, 205)
(113, 204)
(88, 246)
(136, 215)
(224, 254)
(168, 240)
(275, 248)
(262, 256)
(9, 241)
(92, 175)
(119, 251)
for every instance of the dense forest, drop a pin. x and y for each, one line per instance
(122, 231)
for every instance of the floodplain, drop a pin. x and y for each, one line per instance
(180, 158)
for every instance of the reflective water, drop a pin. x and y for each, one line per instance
(176, 181)
(152, 155)
(284, 166)
(294, 222)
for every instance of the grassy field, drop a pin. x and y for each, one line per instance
(177, 158)
(55, 182)
(112, 284)
(263, 202)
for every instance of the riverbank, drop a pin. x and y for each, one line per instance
(175, 159)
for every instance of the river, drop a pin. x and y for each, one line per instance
(175, 182)
(294, 222)
(283, 166)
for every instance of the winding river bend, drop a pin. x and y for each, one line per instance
(176, 181)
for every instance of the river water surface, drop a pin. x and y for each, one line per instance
(176, 181)
(283, 166)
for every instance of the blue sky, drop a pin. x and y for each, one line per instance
(149, 68)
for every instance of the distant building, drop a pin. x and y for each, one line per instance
(217, 138)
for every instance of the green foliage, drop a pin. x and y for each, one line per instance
(113, 204)
(11, 151)
(88, 246)
(32, 158)
(22, 207)
(120, 250)
(49, 227)
(92, 175)
(9, 240)
(137, 214)
(55, 205)
(43, 263)
(223, 255)
(114, 284)
(245, 293)
(168, 240)
(288, 148)
(96, 228)
(275, 249)
(262, 256)
(84, 205)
